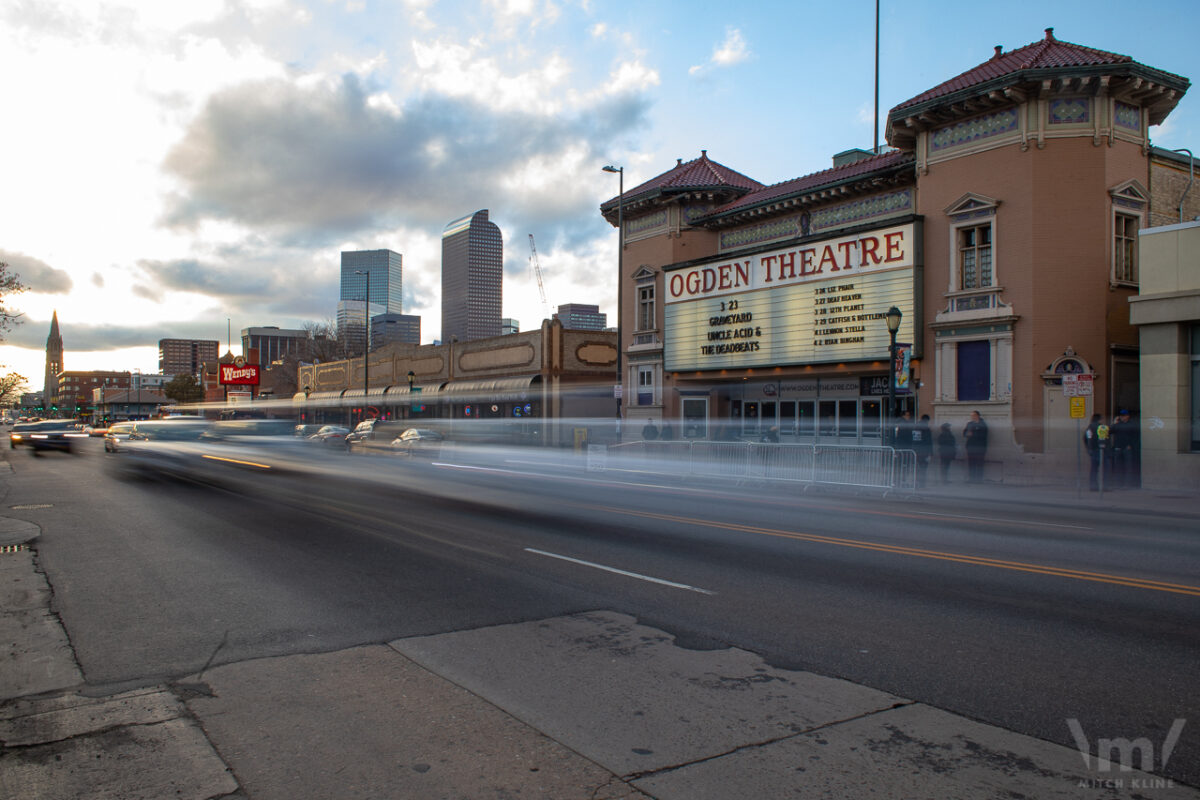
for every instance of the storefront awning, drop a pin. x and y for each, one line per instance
(400, 391)
(515, 388)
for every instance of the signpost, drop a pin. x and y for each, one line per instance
(1077, 389)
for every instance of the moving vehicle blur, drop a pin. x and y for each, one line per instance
(49, 434)
(373, 434)
(117, 433)
(152, 446)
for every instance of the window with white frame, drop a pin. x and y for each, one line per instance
(645, 319)
(1125, 247)
(975, 256)
(645, 389)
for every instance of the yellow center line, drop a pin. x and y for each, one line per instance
(962, 558)
(238, 461)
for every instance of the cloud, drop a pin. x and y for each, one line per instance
(36, 275)
(97, 280)
(733, 50)
(315, 164)
(89, 338)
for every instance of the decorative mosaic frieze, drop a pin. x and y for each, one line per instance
(693, 213)
(883, 205)
(1070, 111)
(642, 224)
(1126, 202)
(974, 130)
(1128, 117)
(764, 232)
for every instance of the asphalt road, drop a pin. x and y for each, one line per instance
(1017, 615)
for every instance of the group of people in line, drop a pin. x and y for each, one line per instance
(919, 438)
(1113, 452)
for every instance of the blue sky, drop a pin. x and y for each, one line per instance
(169, 167)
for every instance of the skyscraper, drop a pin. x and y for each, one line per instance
(580, 316)
(387, 290)
(54, 363)
(472, 273)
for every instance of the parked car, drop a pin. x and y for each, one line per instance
(117, 433)
(372, 434)
(330, 435)
(418, 442)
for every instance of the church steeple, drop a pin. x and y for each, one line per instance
(54, 364)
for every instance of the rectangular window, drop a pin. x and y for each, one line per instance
(975, 257)
(974, 363)
(695, 417)
(1125, 267)
(646, 308)
(806, 418)
(645, 393)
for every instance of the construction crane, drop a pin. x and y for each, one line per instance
(537, 271)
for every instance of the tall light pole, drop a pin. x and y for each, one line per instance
(366, 338)
(893, 317)
(411, 401)
(620, 278)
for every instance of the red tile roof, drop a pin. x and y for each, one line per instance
(827, 177)
(699, 173)
(1049, 53)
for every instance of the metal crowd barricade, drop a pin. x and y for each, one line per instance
(720, 459)
(808, 464)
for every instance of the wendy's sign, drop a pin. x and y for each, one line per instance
(239, 373)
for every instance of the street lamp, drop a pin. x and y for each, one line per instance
(366, 338)
(411, 376)
(893, 317)
(620, 276)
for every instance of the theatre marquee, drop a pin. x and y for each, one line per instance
(817, 302)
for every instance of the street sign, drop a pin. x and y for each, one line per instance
(1084, 385)
(1078, 407)
(1070, 384)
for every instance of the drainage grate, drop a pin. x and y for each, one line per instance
(30, 506)
(13, 548)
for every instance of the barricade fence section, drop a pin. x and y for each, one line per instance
(810, 464)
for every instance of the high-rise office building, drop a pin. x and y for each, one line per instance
(385, 269)
(185, 356)
(581, 317)
(395, 328)
(472, 276)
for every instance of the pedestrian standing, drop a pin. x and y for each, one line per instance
(1124, 436)
(649, 431)
(902, 434)
(947, 447)
(1091, 442)
(975, 436)
(922, 443)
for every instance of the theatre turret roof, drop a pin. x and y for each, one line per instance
(1044, 68)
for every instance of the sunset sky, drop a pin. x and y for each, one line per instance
(177, 169)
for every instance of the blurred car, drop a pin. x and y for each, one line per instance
(330, 435)
(19, 435)
(306, 431)
(160, 446)
(52, 434)
(117, 433)
(95, 430)
(239, 428)
(418, 442)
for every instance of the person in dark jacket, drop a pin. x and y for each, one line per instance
(922, 443)
(649, 431)
(975, 436)
(1091, 442)
(902, 434)
(946, 446)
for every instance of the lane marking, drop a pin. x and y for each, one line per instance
(237, 461)
(616, 571)
(939, 555)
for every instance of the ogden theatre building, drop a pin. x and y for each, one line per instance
(1002, 222)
